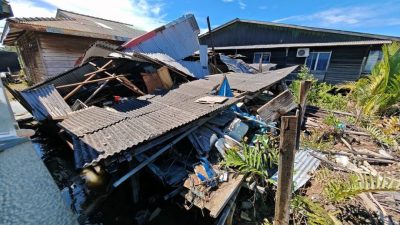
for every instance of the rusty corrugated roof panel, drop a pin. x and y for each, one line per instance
(46, 103)
(131, 132)
(79, 124)
(70, 23)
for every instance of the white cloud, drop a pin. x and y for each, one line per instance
(242, 5)
(351, 17)
(203, 30)
(144, 14)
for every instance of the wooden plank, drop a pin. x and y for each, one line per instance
(289, 130)
(60, 63)
(220, 196)
(152, 81)
(212, 99)
(278, 106)
(165, 77)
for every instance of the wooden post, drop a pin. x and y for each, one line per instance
(288, 140)
(304, 88)
(211, 40)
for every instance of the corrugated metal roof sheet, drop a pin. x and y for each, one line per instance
(46, 103)
(75, 24)
(170, 61)
(304, 165)
(153, 115)
(253, 82)
(302, 45)
(274, 24)
(195, 68)
(177, 39)
(78, 122)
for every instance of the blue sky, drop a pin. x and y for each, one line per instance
(380, 17)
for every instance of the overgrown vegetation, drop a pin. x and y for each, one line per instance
(377, 93)
(314, 212)
(319, 94)
(374, 106)
(316, 140)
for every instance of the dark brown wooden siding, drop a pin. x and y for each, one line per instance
(241, 33)
(60, 52)
(345, 64)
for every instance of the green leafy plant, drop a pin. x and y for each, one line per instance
(250, 160)
(318, 94)
(379, 91)
(340, 189)
(256, 159)
(331, 120)
(379, 136)
(315, 140)
(315, 213)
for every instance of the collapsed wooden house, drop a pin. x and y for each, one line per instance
(50, 46)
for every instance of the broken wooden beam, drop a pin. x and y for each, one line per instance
(87, 79)
(90, 81)
(124, 81)
(278, 106)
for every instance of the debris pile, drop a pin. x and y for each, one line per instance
(162, 120)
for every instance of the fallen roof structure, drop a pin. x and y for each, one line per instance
(148, 117)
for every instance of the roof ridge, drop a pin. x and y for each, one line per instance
(345, 32)
(28, 19)
(80, 14)
(314, 28)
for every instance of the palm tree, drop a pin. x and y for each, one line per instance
(381, 90)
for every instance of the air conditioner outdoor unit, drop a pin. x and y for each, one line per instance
(303, 52)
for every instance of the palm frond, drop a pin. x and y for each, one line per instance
(340, 189)
(316, 214)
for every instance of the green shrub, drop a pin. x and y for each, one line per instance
(318, 94)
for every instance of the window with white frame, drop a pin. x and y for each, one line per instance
(374, 56)
(318, 61)
(266, 56)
